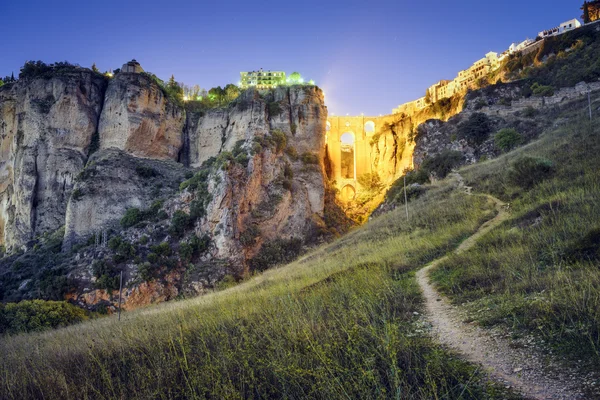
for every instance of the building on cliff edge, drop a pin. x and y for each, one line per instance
(262, 79)
(468, 78)
(132, 66)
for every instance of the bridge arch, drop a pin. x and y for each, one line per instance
(348, 155)
(370, 127)
(347, 193)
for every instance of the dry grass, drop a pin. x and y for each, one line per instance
(538, 272)
(337, 323)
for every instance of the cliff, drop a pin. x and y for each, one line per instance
(46, 126)
(82, 151)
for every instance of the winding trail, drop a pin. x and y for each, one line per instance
(523, 369)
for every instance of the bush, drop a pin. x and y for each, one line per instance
(106, 274)
(395, 194)
(529, 112)
(199, 244)
(309, 158)
(274, 108)
(248, 237)
(132, 216)
(162, 249)
(179, 223)
(528, 171)
(38, 315)
(507, 139)
(442, 164)
(279, 140)
(370, 181)
(476, 129)
(145, 171)
(291, 152)
(279, 251)
(542, 90)
(146, 271)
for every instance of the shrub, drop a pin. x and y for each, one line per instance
(106, 275)
(370, 181)
(291, 152)
(145, 171)
(279, 139)
(442, 164)
(146, 271)
(132, 216)
(186, 251)
(248, 237)
(38, 315)
(200, 244)
(162, 249)
(395, 194)
(179, 223)
(239, 154)
(529, 112)
(278, 251)
(507, 139)
(476, 129)
(542, 90)
(528, 171)
(274, 108)
(309, 158)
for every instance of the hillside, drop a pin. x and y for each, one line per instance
(345, 320)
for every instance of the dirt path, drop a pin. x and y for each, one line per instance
(521, 368)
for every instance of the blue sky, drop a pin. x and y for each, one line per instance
(368, 56)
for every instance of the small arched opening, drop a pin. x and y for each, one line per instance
(328, 126)
(369, 127)
(347, 193)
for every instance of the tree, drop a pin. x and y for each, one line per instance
(231, 92)
(95, 69)
(295, 78)
(1, 83)
(586, 13)
(172, 82)
(217, 94)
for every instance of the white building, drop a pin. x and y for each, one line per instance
(562, 28)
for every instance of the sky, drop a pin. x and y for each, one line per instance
(368, 56)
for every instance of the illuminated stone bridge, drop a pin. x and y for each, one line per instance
(361, 145)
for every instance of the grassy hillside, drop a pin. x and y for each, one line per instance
(538, 273)
(343, 321)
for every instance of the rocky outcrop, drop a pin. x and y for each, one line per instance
(112, 182)
(46, 127)
(298, 111)
(138, 118)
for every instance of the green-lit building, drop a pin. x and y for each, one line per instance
(262, 79)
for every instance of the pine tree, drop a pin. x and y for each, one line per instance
(95, 69)
(172, 82)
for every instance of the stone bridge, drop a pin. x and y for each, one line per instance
(353, 149)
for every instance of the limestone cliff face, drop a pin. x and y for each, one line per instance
(79, 150)
(139, 119)
(46, 127)
(276, 194)
(112, 182)
(298, 111)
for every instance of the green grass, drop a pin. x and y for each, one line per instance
(538, 272)
(338, 323)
